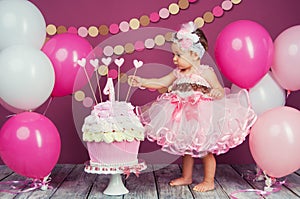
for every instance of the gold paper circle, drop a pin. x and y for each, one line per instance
(103, 30)
(208, 17)
(183, 4)
(129, 48)
(93, 31)
(236, 1)
(144, 20)
(169, 36)
(134, 23)
(51, 29)
(102, 70)
(79, 96)
(199, 22)
(173, 8)
(118, 50)
(123, 78)
(61, 29)
(159, 40)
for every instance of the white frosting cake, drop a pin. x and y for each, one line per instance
(112, 121)
(113, 133)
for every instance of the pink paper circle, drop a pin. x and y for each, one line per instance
(149, 43)
(227, 5)
(139, 46)
(108, 51)
(154, 17)
(113, 73)
(164, 13)
(124, 26)
(72, 29)
(192, 1)
(82, 31)
(87, 102)
(114, 28)
(217, 11)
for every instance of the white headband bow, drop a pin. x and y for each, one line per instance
(188, 39)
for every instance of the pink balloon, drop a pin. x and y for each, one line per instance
(274, 141)
(64, 51)
(30, 144)
(286, 62)
(244, 52)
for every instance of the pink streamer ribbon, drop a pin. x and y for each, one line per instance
(268, 190)
(132, 169)
(27, 185)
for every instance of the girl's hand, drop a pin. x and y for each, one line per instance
(216, 93)
(135, 81)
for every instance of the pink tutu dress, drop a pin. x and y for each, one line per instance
(186, 120)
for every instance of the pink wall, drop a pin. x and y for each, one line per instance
(275, 16)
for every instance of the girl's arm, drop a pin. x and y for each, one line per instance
(217, 90)
(153, 83)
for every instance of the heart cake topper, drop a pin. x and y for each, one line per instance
(95, 63)
(106, 61)
(137, 63)
(119, 62)
(81, 62)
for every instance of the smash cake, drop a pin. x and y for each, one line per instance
(113, 133)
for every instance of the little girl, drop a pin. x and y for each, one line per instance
(194, 119)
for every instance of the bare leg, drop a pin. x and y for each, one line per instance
(187, 172)
(209, 164)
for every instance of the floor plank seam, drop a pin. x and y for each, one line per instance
(291, 190)
(222, 188)
(156, 184)
(242, 177)
(61, 182)
(90, 188)
(189, 187)
(6, 176)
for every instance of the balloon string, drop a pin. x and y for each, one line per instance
(288, 93)
(48, 105)
(27, 185)
(268, 189)
(130, 86)
(11, 115)
(87, 76)
(99, 87)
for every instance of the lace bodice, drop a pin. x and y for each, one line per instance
(187, 84)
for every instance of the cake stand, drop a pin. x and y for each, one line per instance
(115, 185)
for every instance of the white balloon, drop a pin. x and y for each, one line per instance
(265, 95)
(26, 77)
(21, 22)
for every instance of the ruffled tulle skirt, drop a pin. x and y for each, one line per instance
(197, 125)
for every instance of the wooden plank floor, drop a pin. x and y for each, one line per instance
(71, 182)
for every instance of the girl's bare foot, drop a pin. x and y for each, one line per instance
(180, 181)
(204, 186)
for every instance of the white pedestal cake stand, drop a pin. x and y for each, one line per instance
(115, 185)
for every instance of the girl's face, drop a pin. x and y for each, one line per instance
(182, 59)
